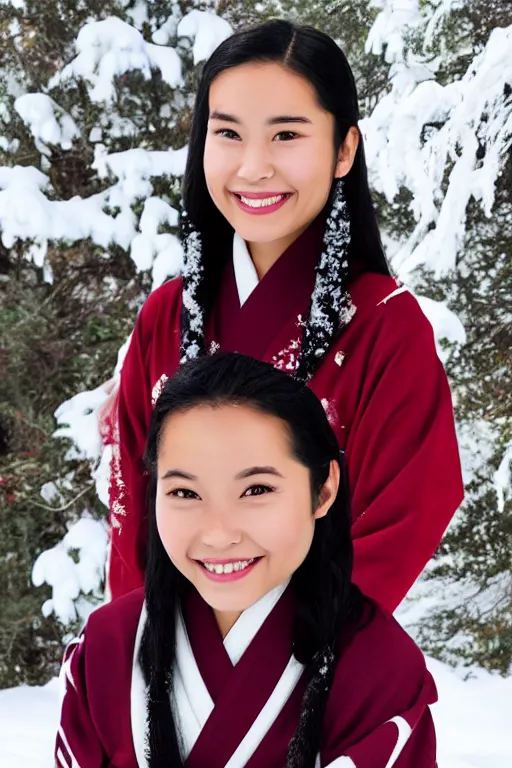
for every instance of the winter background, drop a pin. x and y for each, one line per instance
(95, 104)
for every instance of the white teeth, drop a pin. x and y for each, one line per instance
(240, 565)
(261, 203)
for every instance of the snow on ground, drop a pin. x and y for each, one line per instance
(472, 721)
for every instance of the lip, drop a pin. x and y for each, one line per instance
(261, 196)
(224, 578)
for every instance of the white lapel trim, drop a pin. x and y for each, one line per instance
(250, 622)
(138, 698)
(246, 276)
(193, 704)
(267, 715)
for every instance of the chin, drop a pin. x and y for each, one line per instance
(262, 234)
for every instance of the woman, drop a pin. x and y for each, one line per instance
(283, 262)
(250, 646)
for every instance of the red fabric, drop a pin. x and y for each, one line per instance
(374, 696)
(382, 384)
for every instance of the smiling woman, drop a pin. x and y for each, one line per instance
(249, 646)
(277, 151)
(283, 262)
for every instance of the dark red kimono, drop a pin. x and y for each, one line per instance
(377, 713)
(383, 387)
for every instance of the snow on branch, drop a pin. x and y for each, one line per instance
(70, 576)
(110, 48)
(503, 479)
(48, 123)
(207, 30)
(391, 28)
(423, 136)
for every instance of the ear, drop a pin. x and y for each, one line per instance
(347, 153)
(329, 491)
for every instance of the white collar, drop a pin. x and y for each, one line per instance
(246, 276)
(249, 623)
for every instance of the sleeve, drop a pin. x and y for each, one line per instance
(402, 457)
(77, 742)
(378, 711)
(406, 740)
(130, 416)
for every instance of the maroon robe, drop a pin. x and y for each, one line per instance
(382, 384)
(378, 705)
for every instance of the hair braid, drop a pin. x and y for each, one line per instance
(305, 743)
(331, 307)
(192, 315)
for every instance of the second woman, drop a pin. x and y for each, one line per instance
(283, 262)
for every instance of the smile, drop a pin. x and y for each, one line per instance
(228, 571)
(260, 204)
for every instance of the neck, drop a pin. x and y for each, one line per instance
(226, 620)
(265, 255)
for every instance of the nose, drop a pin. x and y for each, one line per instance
(256, 163)
(219, 533)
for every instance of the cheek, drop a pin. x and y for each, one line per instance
(313, 167)
(288, 532)
(174, 535)
(216, 165)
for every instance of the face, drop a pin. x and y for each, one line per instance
(269, 156)
(233, 506)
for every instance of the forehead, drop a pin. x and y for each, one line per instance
(264, 87)
(223, 435)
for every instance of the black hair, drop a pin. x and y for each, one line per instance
(326, 602)
(208, 235)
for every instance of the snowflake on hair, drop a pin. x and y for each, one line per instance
(158, 388)
(193, 273)
(288, 358)
(331, 305)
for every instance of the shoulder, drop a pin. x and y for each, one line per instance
(382, 665)
(383, 650)
(388, 300)
(390, 319)
(380, 675)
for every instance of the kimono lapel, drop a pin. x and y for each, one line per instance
(282, 295)
(250, 697)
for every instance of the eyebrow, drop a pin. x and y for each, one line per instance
(179, 473)
(278, 120)
(258, 471)
(250, 472)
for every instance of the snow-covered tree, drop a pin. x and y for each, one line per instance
(440, 156)
(95, 101)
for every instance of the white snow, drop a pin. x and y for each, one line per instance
(472, 721)
(48, 123)
(445, 323)
(110, 48)
(503, 478)
(207, 30)
(474, 113)
(69, 579)
(77, 419)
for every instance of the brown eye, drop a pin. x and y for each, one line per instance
(258, 490)
(227, 133)
(286, 136)
(183, 493)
